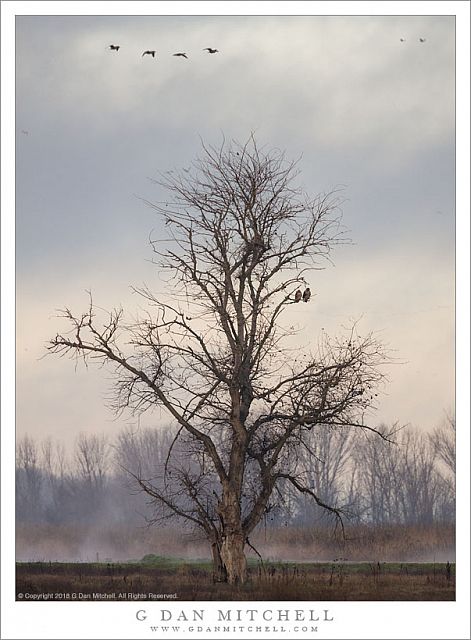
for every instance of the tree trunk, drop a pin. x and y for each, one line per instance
(232, 538)
(219, 570)
(233, 557)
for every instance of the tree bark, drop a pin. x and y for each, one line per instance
(233, 557)
(232, 538)
(219, 569)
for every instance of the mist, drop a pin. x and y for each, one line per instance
(84, 505)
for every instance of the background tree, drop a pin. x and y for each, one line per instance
(326, 464)
(57, 480)
(91, 459)
(213, 351)
(443, 440)
(403, 485)
(377, 476)
(29, 479)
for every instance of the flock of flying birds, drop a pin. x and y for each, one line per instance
(180, 54)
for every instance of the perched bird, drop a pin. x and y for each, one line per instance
(115, 47)
(181, 55)
(421, 39)
(209, 50)
(298, 295)
(307, 295)
(148, 53)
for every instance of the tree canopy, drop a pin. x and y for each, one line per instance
(243, 241)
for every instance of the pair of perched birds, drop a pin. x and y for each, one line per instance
(117, 47)
(305, 296)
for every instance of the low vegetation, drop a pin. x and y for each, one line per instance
(157, 577)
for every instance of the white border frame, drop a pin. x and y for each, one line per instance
(352, 619)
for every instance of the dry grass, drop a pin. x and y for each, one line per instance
(124, 542)
(362, 543)
(326, 581)
(82, 543)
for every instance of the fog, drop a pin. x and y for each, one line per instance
(83, 505)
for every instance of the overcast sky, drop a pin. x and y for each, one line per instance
(361, 108)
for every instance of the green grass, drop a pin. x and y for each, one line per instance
(163, 562)
(192, 580)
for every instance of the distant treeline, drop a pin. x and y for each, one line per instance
(411, 481)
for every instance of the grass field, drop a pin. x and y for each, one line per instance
(163, 579)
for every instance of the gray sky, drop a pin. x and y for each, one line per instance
(363, 109)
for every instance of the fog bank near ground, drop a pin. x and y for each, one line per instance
(120, 543)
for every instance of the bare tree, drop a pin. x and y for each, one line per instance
(143, 449)
(57, 479)
(443, 440)
(419, 481)
(401, 483)
(325, 461)
(53, 457)
(29, 478)
(92, 459)
(214, 353)
(377, 478)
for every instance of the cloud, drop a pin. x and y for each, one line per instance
(359, 106)
(337, 82)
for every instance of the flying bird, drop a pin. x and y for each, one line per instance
(181, 55)
(148, 53)
(421, 39)
(209, 50)
(307, 295)
(402, 39)
(115, 47)
(298, 295)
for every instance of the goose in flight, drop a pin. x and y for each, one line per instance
(307, 295)
(114, 47)
(209, 50)
(181, 55)
(148, 53)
